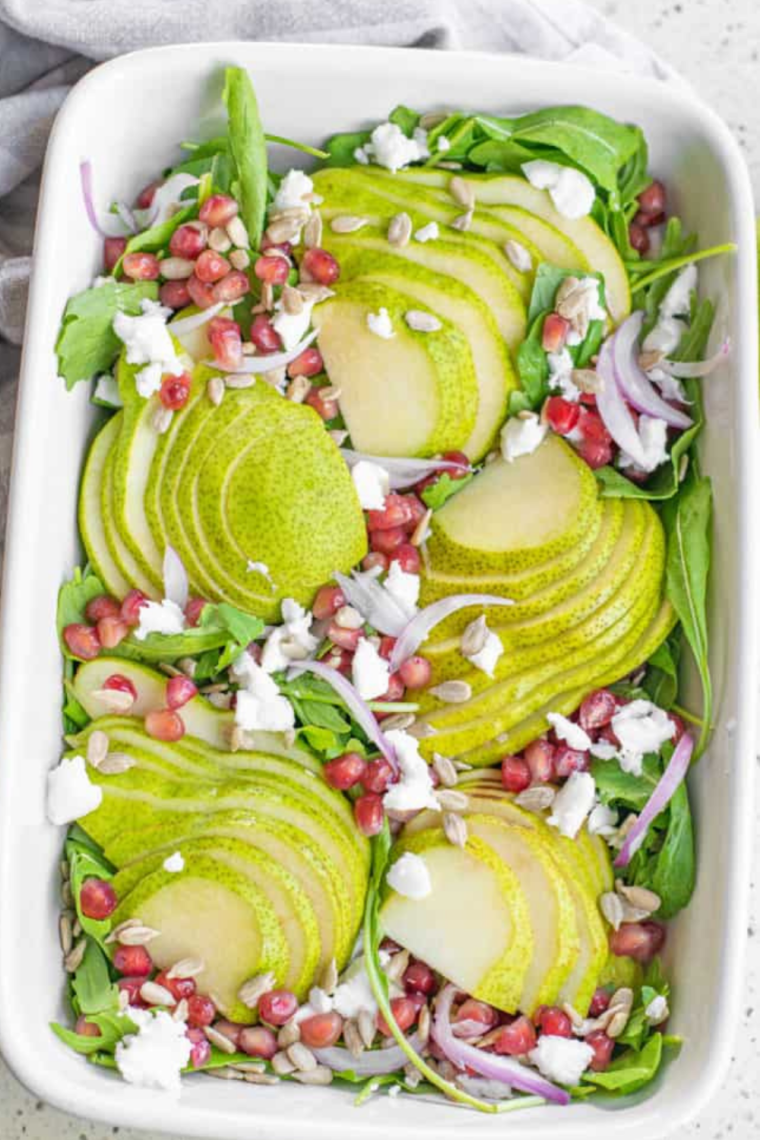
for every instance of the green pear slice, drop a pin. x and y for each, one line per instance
(499, 190)
(212, 912)
(128, 565)
(413, 394)
(90, 514)
(474, 927)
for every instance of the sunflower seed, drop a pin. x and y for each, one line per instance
(353, 1039)
(237, 233)
(169, 670)
(314, 293)
(367, 1027)
(423, 1025)
(261, 1078)
(267, 296)
(586, 379)
(400, 721)
(452, 692)
(449, 165)
(302, 1057)
(187, 968)
(97, 747)
(255, 988)
(123, 1000)
(276, 378)
(73, 960)
(67, 897)
(420, 321)
(65, 869)
(312, 231)
(639, 897)
(462, 192)
(474, 637)
(649, 360)
(292, 301)
(181, 1010)
(433, 119)
(76, 928)
(536, 799)
(115, 763)
(519, 256)
(65, 933)
(319, 1076)
(285, 229)
(621, 1013)
(298, 389)
(282, 1065)
(399, 230)
(329, 979)
(452, 800)
(420, 730)
(187, 665)
(138, 935)
(219, 240)
(214, 1037)
(240, 259)
(412, 1076)
(347, 224)
(349, 618)
(224, 1074)
(462, 222)
(289, 1034)
(215, 390)
(454, 828)
(154, 994)
(240, 380)
(445, 769)
(117, 932)
(299, 213)
(162, 419)
(397, 966)
(461, 766)
(422, 530)
(176, 268)
(683, 467)
(611, 906)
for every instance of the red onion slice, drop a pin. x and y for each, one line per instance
(195, 321)
(634, 382)
(666, 788)
(403, 472)
(415, 632)
(176, 586)
(495, 1068)
(690, 369)
(613, 409)
(113, 225)
(374, 1063)
(376, 605)
(259, 364)
(359, 709)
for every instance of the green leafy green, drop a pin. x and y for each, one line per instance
(222, 629)
(661, 681)
(73, 596)
(92, 987)
(157, 237)
(622, 789)
(532, 365)
(87, 343)
(632, 1070)
(443, 489)
(248, 147)
(85, 863)
(113, 1027)
(667, 266)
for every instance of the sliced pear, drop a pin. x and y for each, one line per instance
(128, 565)
(90, 514)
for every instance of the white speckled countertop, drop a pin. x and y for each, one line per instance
(715, 44)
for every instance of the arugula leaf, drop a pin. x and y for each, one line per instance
(242, 627)
(405, 118)
(323, 716)
(113, 1027)
(73, 596)
(632, 1070)
(443, 489)
(532, 365)
(87, 344)
(623, 789)
(222, 630)
(85, 864)
(94, 992)
(248, 148)
(672, 874)
(340, 148)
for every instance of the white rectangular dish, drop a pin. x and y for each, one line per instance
(127, 118)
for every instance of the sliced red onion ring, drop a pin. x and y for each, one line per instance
(176, 586)
(403, 472)
(195, 321)
(268, 363)
(374, 1063)
(376, 605)
(468, 1027)
(113, 225)
(666, 788)
(359, 709)
(613, 409)
(634, 382)
(495, 1068)
(128, 218)
(415, 631)
(689, 369)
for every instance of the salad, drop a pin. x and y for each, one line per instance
(396, 539)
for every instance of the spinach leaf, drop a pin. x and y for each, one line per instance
(157, 237)
(340, 148)
(633, 177)
(85, 864)
(405, 119)
(622, 789)
(661, 680)
(243, 628)
(532, 365)
(87, 343)
(93, 989)
(442, 490)
(113, 1027)
(672, 873)
(323, 716)
(248, 148)
(73, 596)
(632, 1070)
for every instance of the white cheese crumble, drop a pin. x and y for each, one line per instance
(107, 390)
(602, 821)
(292, 327)
(561, 375)
(175, 863)
(561, 1059)
(572, 734)
(372, 483)
(409, 876)
(354, 992)
(657, 1011)
(293, 192)
(653, 434)
(148, 341)
(519, 256)
(390, 147)
(70, 795)
(573, 803)
(154, 1057)
(370, 672)
(427, 233)
(160, 617)
(571, 191)
(487, 656)
(403, 587)
(443, 144)
(641, 727)
(603, 750)
(521, 435)
(291, 641)
(259, 704)
(677, 300)
(381, 324)
(414, 789)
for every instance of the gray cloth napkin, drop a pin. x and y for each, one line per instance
(46, 45)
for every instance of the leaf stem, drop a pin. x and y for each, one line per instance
(673, 263)
(314, 151)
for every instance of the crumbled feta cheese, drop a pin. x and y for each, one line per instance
(361, 156)
(573, 803)
(370, 672)
(354, 992)
(641, 727)
(160, 617)
(175, 863)
(259, 704)
(391, 148)
(657, 1011)
(561, 1059)
(148, 341)
(414, 789)
(427, 233)
(602, 821)
(409, 876)
(291, 641)
(561, 375)
(154, 1057)
(677, 300)
(653, 434)
(603, 750)
(372, 483)
(70, 795)
(489, 653)
(107, 390)
(442, 143)
(665, 336)
(521, 435)
(292, 327)
(381, 324)
(293, 192)
(519, 256)
(572, 734)
(404, 587)
(571, 191)
(320, 1001)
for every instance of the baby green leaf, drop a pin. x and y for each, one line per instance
(442, 490)
(87, 343)
(92, 985)
(73, 596)
(248, 148)
(631, 1070)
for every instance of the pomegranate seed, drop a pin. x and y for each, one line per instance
(344, 638)
(638, 940)
(369, 814)
(194, 609)
(515, 774)
(322, 1030)
(217, 210)
(647, 220)
(211, 267)
(174, 294)
(175, 391)
(231, 288)
(473, 1010)
(83, 640)
(179, 988)
(321, 266)
(417, 510)
(226, 341)
(200, 292)
(597, 453)
(328, 600)
(164, 724)
(277, 1006)
(555, 1023)
(394, 692)
(652, 200)
(258, 1041)
(389, 945)
(200, 1054)
(231, 1030)
(376, 776)
(113, 248)
(592, 427)
(396, 512)
(86, 1028)
(120, 684)
(131, 606)
(456, 457)
(597, 709)
(407, 556)
(387, 645)
(327, 409)
(179, 690)
(603, 1047)
(516, 1039)
(340, 660)
(111, 631)
(102, 606)
(147, 194)
(374, 559)
(345, 771)
(599, 1002)
(554, 332)
(133, 961)
(539, 756)
(273, 270)
(608, 735)
(415, 672)
(561, 415)
(97, 899)
(638, 237)
(187, 242)
(141, 266)
(386, 541)
(405, 1013)
(569, 760)
(131, 987)
(419, 979)
(201, 1010)
(680, 728)
(263, 335)
(309, 363)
